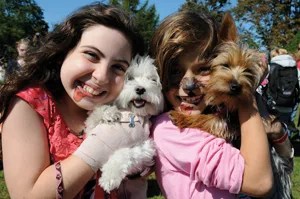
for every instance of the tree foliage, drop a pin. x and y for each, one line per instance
(274, 23)
(216, 8)
(19, 19)
(145, 16)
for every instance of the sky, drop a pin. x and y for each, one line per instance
(56, 10)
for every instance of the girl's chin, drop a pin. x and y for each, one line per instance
(191, 109)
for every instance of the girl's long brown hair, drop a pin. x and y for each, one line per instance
(43, 63)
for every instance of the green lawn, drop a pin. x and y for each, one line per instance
(3, 190)
(296, 176)
(154, 191)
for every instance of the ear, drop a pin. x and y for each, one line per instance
(228, 30)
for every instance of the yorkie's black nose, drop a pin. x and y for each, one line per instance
(189, 84)
(235, 88)
(140, 90)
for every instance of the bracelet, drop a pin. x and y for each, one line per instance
(281, 139)
(59, 181)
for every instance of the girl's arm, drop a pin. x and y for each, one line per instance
(258, 176)
(27, 169)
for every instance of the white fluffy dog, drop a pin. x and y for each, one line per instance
(131, 149)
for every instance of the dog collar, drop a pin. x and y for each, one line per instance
(130, 118)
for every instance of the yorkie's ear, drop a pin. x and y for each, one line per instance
(228, 30)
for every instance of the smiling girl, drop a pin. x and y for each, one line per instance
(43, 107)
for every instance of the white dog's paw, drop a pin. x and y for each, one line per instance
(111, 114)
(110, 180)
(149, 151)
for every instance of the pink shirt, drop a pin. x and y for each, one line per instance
(194, 164)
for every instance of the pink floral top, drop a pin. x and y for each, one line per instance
(62, 142)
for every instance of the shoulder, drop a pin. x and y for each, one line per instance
(35, 92)
(39, 99)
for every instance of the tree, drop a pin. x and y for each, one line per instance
(292, 46)
(273, 22)
(19, 19)
(145, 16)
(215, 8)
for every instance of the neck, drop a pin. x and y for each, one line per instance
(73, 115)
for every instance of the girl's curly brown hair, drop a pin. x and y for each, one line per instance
(43, 63)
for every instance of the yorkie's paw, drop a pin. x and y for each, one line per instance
(178, 119)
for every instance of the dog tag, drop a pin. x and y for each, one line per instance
(131, 121)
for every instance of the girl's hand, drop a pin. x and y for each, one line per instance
(278, 136)
(273, 127)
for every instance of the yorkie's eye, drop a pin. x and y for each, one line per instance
(248, 70)
(225, 65)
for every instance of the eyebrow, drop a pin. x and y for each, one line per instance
(118, 60)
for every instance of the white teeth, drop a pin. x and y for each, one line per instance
(192, 100)
(90, 90)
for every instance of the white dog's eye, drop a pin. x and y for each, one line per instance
(129, 78)
(153, 80)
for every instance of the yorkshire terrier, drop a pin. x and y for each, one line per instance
(235, 74)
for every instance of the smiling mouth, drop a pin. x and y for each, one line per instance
(191, 100)
(83, 90)
(139, 103)
(89, 90)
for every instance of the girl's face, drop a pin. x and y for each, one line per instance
(190, 76)
(93, 72)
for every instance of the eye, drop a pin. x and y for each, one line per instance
(90, 55)
(225, 65)
(130, 77)
(248, 70)
(152, 78)
(204, 70)
(119, 69)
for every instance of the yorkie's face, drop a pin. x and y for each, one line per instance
(188, 78)
(235, 74)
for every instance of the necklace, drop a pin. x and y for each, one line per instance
(79, 134)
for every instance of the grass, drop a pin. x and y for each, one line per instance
(3, 190)
(296, 179)
(154, 193)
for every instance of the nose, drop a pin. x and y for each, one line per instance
(140, 90)
(189, 84)
(235, 88)
(100, 74)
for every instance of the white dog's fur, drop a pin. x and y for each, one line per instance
(142, 97)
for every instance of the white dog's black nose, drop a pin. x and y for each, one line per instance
(140, 90)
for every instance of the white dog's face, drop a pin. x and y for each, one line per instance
(142, 91)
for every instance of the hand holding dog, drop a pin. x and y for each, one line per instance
(99, 145)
